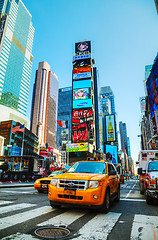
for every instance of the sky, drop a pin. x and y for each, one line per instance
(124, 37)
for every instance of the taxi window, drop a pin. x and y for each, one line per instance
(88, 167)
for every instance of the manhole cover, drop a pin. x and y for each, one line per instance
(52, 232)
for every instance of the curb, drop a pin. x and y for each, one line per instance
(15, 185)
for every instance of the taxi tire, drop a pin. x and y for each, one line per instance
(54, 205)
(40, 191)
(106, 204)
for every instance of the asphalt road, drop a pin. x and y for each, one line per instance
(23, 210)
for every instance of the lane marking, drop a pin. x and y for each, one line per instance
(5, 202)
(65, 218)
(15, 207)
(99, 227)
(144, 227)
(130, 191)
(22, 217)
(17, 192)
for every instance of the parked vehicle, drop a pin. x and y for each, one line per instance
(148, 171)
(87, 183)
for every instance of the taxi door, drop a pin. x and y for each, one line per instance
(111, 179)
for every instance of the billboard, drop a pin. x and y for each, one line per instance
(111, 154)
(142, 104)
(84, 103)
(81, 56)
(82, 125)
(82, 65)
(81, 93)
(82, 83)
(81, 75)
(77, 147)
(83, 47)
(1, 145)
(152, 90)
(110, 128)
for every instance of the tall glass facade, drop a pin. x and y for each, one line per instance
(64, 114)
(16, 40)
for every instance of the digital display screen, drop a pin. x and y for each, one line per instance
(81, 93)
(111, 154)
(82, 125)
(82, 65)
(152, 89)
(82, 47)
(84, 103)
(81, 75)
(82, 84)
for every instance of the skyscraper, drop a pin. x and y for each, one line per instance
(64, 114)
(123, 136)
(16, 40)
(106, 92)
(45, 105)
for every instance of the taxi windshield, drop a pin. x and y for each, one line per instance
(88, 167)
(153, 166)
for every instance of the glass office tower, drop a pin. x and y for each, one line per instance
(16, 40)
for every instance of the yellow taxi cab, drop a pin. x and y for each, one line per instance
(87, 183)
(41, 184)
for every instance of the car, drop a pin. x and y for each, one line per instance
(41, 184)
(91, 184)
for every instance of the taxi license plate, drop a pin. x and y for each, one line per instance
(69, 192)
(44, 186)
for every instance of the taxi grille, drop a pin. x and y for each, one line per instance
(70, 197)
(72, 184)
(45, 181)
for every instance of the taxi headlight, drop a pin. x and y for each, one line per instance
(54, 181)
(37, 181)
(93, 184)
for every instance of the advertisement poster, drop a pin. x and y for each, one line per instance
(81, 75)
(87, 103)
(82, 125)
(83, 47)
(81, 93)
(77, 147)
(110, 128)
(82, 84)
(111, 154)
(82, 65)
(142, 104)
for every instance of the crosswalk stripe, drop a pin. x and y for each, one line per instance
(65, 218)
(5, 202)
(144, 227)
(19, 236)
(22, 217)
(15, 207)
(133, 199)
(99, 227)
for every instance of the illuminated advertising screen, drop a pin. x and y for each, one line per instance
(111, 154)
(82, 65)
(81, 75)
(81, 93)
(82, 84)
(110, 128)
(84, 103)
(83, 47)
(82, 125)
(81, 56)
(77, 147)
(152, 89)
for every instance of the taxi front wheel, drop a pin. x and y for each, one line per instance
(54, 205)
(106, 205)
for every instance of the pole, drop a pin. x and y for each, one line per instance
(68, 146)
(22, 146)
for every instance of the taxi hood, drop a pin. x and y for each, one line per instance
(81, 176)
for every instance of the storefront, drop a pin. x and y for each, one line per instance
(20, 168)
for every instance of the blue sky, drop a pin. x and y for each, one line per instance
(124, 36)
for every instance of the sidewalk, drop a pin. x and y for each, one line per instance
(16, 184)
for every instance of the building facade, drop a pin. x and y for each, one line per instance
(123, 136)
(45, 105)
(16, 40)
(64, 114)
